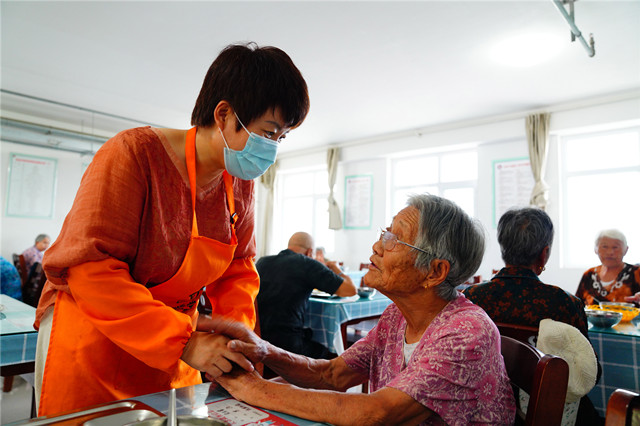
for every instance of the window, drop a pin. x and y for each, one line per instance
(601, 182)
(304, 207)
(452, 175)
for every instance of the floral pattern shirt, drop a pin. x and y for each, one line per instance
(32, 256)
(456, 370)
(627, 283)
(516, 295)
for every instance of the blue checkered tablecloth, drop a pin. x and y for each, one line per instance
(17, 335)
(618, 350)
(324, 316)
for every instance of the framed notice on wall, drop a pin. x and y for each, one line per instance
(358, 202)
(31, 186)
(512, 185)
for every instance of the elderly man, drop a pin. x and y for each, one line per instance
(286, 281)
(434, 356)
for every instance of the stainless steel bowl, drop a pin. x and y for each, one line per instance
(181, 421)
(366, 292)
(603, 319)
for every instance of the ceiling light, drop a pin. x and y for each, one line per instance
(526, 50)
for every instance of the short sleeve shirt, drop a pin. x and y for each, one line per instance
(286, 281)
(456, 370)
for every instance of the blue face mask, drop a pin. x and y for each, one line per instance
(258, 154)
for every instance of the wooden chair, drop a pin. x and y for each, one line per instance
(543, 377)
(622, 406)
(523, 333)
(32, 288)
(21, 266)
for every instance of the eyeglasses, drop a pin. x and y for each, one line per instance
(389, 241)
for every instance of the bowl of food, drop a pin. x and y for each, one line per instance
(628, 312)
(602, 318)
(366, 292)
(630, 305)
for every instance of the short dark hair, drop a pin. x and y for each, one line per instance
(253, 80)
(523, 234)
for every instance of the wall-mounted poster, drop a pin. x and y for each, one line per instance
(31, 186)
(358, 202)
(512, 185)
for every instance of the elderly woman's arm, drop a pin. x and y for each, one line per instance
(386, 406)
(383, 407)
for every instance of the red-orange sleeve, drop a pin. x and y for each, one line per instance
(234, 293)
(126, 313)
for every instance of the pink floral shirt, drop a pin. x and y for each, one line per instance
(456, 370)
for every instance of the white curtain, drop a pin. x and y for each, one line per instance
(335, 220)
(537, 127)
(268, 180)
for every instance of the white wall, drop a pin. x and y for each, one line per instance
(17, 233)
(497, 139)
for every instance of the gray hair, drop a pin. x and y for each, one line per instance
(523, 234)
(613, 234)
(41, 237)
(446, 232)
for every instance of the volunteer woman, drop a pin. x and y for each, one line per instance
(160, 214)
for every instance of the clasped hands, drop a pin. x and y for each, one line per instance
(218, 344)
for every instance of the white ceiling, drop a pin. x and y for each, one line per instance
(372, 67)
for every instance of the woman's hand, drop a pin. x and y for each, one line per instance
(208, 352)
(635, 298)
(245, 342)
(241, 384)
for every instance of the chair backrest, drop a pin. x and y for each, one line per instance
(621, 407)
(543, 377)
(21, 266)
(32, 288)
(524, 333)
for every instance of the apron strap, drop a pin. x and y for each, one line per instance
(190, 153)
(228, 185)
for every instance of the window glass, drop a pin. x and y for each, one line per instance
(464, 197)
(298, 184)
(296, 216)
(401, 196)
(459, 167)
(416, 171)
(603, 151)
(597, 202)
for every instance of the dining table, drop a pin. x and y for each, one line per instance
(327, 316)
(202, 400)
(17, 339)
(618, 350)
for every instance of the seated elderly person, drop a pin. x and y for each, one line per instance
(613, 280)
(433, 357)
(515, 295)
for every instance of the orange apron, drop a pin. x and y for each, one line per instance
(83, 367)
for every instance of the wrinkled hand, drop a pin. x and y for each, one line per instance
(242, 385)
(244, 341)
(635, 298)
(208, 352)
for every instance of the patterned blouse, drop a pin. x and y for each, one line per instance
(516, 295)
(627, 283)
(456, 370)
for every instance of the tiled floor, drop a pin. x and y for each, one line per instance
(16, 405)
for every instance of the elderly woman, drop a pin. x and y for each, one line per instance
(613, 280)
(433, 357)
(515, 295)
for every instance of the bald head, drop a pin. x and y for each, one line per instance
(301, 243)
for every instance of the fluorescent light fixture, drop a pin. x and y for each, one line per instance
(526, 50)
